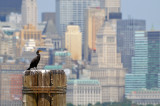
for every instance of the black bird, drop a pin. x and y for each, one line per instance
(35, 61)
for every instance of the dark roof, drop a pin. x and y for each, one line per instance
(50, 29)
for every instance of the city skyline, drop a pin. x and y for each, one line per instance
(127, 8)
(102, 52)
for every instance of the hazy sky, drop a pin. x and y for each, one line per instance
(136, 9)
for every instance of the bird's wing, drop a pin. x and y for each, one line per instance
(34, 62)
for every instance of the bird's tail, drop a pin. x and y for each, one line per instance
(29, 68)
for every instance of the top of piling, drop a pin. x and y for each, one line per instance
(34, 72)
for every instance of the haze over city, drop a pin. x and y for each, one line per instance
(79, 53)
(136, 9)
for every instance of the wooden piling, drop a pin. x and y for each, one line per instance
(43, 81)
(44, 88)
(29, 80)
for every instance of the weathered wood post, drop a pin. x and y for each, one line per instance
(29, 80)
(44, 88)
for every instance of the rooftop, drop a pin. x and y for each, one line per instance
(53, 67)
(83, 82)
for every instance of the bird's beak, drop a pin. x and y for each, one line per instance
(40, 51)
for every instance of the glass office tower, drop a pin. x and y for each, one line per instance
(145, 63)
(140, 58)
(126, 39)
(137, 79)
(153, 58)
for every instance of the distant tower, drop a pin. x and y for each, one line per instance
(29, 12)
(73, 41)
(126, 39)
(110, 71)
(106, 45)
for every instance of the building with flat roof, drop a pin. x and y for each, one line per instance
(137, 79)
(145, 62)
(153, 58)
(62, 58)
(83, 92)
(73, 41)
(144, 96)
(126, 39)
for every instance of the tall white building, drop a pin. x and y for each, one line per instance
(29, 12)
(110, 71)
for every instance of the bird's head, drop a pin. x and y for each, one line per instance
(38, 51)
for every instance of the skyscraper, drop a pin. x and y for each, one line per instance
(145, 63)
(153, 58)
(126, 39)
(94, 19)
(137, 79)
(29, 12)
(110, 71)
(106, 45)
(8, 6)
(73, 41)
(68, 11)
(111, 7)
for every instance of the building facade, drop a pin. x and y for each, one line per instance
(144, 96)
(29, 12)
(14, 18)
(11, 84)
(111, 7)
(68, 11)
(106, 45)
(29, 32)
(8, 6)
(134, 82)
(50, 31)
(73, 41)
(109, 70)
(153, 58)
(126, 39)
(137, 79)
(63, 58)
(145, 63)
(94, 20)
(7, 45)
(83, 92)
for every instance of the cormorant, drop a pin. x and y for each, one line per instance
(35, 61)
